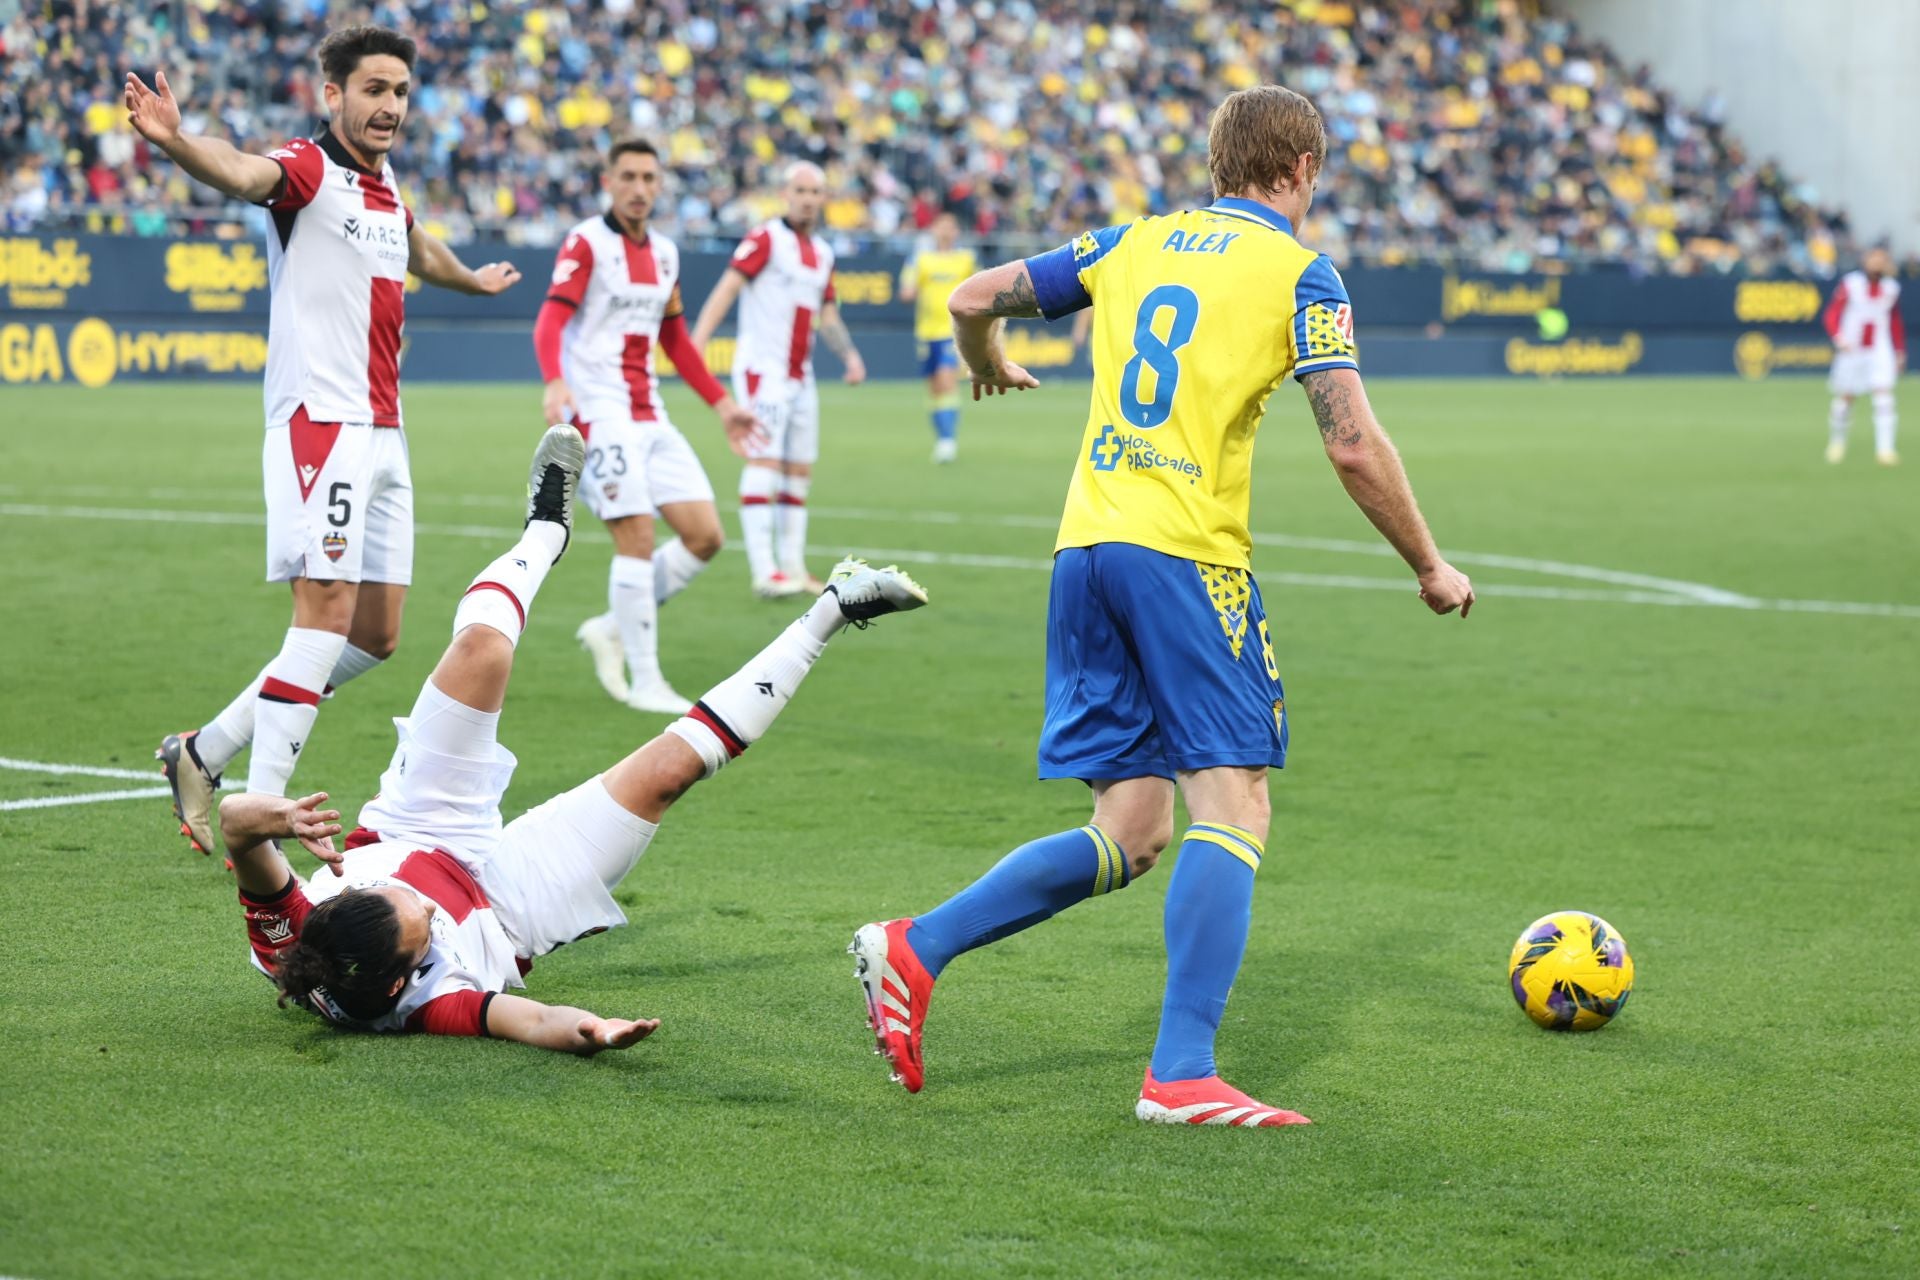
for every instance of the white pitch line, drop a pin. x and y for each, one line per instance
(88, 770)
(86, 797)
(1655, 591)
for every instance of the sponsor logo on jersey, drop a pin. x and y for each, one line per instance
(1111, 448)
(335, 545)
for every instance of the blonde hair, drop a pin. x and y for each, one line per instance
(1257, 136)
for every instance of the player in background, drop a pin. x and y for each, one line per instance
(339, 489)
(1869, 352)
(928, 280)
(436, 911)
(783, 275)
(614, 300)
(1160, 668)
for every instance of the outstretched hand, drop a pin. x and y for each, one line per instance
(154, 114)
(745, 432)
(315, 829)
(998, 379)
(615, 1033)
(496, 277)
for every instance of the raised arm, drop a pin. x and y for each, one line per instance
(833, 332)
(718, 303)
(218, 164)
(251, 826)
(433, 262)
(561, 1028)
(980, 307)
(1369, 467)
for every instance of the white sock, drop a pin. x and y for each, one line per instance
(1886, 421)
(354, 663)
(635, 614)
(1837, 415)
(288, 702)
(227, 734)
(756, 519)
(736, 712)
(673, 568)
(793, 525)
(503, 592)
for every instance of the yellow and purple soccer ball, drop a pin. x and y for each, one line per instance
(1570, 971)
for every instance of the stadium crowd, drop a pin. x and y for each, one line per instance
(1464, 131)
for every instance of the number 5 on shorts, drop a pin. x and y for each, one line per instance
(340, 504)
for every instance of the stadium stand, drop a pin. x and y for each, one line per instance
(1477, 134)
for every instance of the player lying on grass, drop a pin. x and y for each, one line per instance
(435, 909)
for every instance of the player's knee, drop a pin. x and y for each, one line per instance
(380, 645)
(1143, 840)
(704, 543)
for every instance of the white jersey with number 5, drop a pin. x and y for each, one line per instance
(337, 262)
(790, 280)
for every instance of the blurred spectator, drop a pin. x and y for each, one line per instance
(1462, 131)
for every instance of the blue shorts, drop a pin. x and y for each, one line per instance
(937, 354)
(1156, 665)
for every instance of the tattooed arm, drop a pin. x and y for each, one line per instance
(1369, 466)
(833, 332)
(980, 307)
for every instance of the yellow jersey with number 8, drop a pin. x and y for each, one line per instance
(1197, 317)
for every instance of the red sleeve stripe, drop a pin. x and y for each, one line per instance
(703, 714)
(280, 691)
(494, 586)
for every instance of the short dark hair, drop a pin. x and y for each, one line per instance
(349, 952)
(631, 147)
(342, 50)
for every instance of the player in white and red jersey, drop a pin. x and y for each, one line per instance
(338, 487)
(614, 301)
(1869, 351)
(783, 274)
(436, 909)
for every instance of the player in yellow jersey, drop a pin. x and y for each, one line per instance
(927, 281)
(1160, 669)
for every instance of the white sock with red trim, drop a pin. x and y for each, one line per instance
(736, 712)
(285, 707)
(227, 734)
(503, 592)
(756, 519)
(793, 525)
(636, 615)
(673, 568)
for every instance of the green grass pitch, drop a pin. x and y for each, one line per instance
(1643, 719)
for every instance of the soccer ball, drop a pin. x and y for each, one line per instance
(1570, 971)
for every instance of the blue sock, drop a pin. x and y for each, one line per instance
(946, 423)
(1037, 880)
(1209, 909)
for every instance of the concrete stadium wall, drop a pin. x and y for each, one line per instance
(1830, 88)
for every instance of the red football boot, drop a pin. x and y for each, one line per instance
(1207, 1101)
(898, 989)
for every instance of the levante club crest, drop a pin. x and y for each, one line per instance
(335, 545)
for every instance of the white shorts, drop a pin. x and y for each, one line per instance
(339, 502)
(549, 873)
(789, 409)
(1859, 373)
(635, 468)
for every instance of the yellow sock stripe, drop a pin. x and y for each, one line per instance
(1239, 846)
(1117, 874)
(1105, 867)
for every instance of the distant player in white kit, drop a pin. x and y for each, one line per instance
(1869, 353)
(437, 910)
(786, 273)
(338, 486)
(614, 301)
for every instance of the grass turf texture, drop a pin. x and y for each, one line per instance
(1732, 788)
